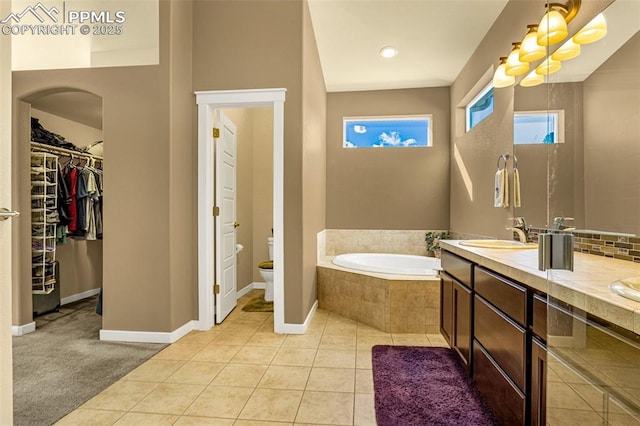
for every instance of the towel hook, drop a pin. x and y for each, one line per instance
(504, 157)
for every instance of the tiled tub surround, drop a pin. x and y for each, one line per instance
(390, 303)
(586, 288)
(332, 242)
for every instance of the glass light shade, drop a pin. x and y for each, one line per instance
(593, 31)
(532, 79)
(530, 50)
(548, 66)
(552, 29)
(568, 50)
(500, 78)
(514, 66)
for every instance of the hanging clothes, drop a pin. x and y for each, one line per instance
(72, 180)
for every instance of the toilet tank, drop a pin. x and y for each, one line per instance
(270, 244)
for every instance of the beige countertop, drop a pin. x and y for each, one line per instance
(586, 288)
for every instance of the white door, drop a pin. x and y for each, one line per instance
(6, 369)
(225, 235)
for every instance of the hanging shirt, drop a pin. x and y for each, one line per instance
(81, 199)
(90, 203)
(64, 199)
(72, 181)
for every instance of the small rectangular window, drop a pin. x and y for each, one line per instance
(538, 127)
(480, 107)
(387, 132)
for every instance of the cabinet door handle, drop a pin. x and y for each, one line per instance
(7, 214)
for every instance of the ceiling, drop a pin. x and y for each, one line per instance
(432, 48)
(434, 39)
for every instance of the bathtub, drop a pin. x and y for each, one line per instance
(395, 264)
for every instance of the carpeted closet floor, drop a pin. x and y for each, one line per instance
(63, 363)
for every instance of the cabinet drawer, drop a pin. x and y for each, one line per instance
(507, 296)
(539, 324)
(459, 268)
(505, 400)
(503, 339)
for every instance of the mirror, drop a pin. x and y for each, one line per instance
(591, 174)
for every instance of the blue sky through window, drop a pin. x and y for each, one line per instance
(535, 127)
(387, 132)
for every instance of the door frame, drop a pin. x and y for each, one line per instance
(207, 102)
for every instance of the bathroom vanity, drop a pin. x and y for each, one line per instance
(543, 350)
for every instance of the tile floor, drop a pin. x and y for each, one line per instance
(242, 373)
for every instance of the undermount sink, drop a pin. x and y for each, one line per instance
(498, 244)
(627, 287)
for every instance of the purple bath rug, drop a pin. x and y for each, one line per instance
(424, 386)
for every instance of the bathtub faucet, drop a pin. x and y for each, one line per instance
(520, 227)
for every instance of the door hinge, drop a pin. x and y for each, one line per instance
(216, 211)
(216, 289)
(216, 132)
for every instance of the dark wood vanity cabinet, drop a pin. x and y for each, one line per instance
(504, 323)
(538, 397)
(500, 342)
(455, 317)
(456, 306)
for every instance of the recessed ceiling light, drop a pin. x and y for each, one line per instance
(388, 52)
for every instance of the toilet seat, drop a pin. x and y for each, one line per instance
(267, 264)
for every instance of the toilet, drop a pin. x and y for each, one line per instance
(266, 271)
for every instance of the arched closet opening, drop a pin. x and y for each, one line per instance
(61, 158)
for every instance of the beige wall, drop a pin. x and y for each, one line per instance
(6, 252)
(474, 154)
(149, 245)
(388, 188)
(314, 113)
(267, 51)
(80, 260)
(612, 148)
(182, 164)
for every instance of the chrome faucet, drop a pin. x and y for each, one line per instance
(520, 227)
(559, 225)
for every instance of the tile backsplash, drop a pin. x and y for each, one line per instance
(611, 245)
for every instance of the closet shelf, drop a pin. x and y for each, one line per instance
(44, 218)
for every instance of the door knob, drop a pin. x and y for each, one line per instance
(7, 214)
(236, 224)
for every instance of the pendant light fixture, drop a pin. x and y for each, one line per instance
(532, 79)
(548, 66)
(514, 66)
(593, 31)
(553, 25)
(500, 78)
(530, 50)
(568, 50)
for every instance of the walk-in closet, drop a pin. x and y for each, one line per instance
(67, 194)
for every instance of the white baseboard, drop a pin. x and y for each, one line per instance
(21, 330)
(79, 296)
(247, 289)
(148, 336)
(300, 328)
